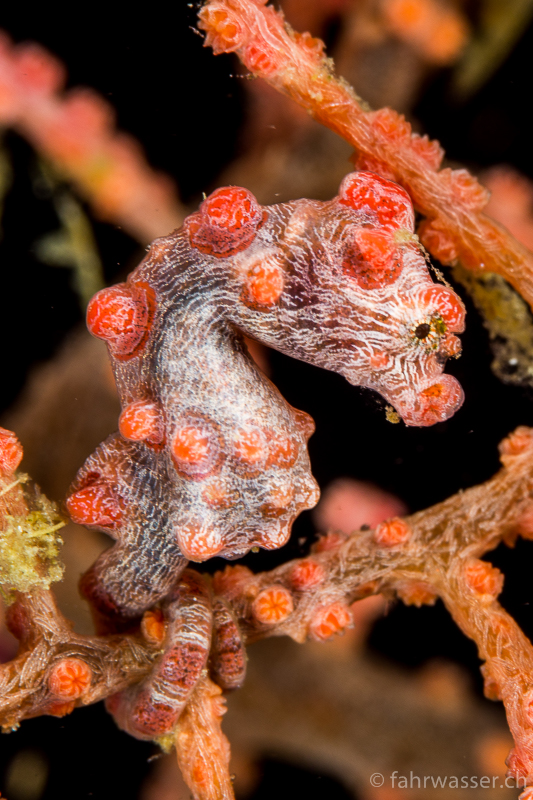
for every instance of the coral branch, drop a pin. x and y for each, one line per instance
(202, 749)
(452, 200)
(76, 131)
(434, 552)
(56, 669)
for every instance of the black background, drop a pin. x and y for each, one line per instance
(186, 109)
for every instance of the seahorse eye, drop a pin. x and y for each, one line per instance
(421, 331)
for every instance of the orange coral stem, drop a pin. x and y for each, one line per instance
(451, 199)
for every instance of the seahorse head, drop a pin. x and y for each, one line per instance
(341, 284)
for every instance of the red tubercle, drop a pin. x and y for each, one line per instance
(228, 654)
(392, 532)
(517, 443)
(224, 29)
(122, 315)
(438, 402)
(199, 543)
(87, 113)
(482, 578)
(391, 125)
(272, 605)
(417, 593)
(142, 421)
(304, 422)
(429, 150)
(491, 687)
(226, 222)
(97, 504)
(313, 46)
(264, 284)
(250, 446)
(70, 678)
(191, 445)
(306, 574)
(446, 303)
(438, 241)
(372, 257)
(464, 188)
(274, 538)
(450, 346)
(259, 57)
(60, 708)
(384, 202)
(517, 762)
(330, 620)
(10, 452)
(367, 589)
(18, 621)
(196, 447)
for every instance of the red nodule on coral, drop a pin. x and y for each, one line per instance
(250, 447)
(122, 315)
(272, 605)
(70, 678)
(225, 32)
(483, 578)
(517, 443)
(306, 575)
(150, 718)
(417, 593)
(330, 620)
(392, 532)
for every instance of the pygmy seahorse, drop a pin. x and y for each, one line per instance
(210, 459)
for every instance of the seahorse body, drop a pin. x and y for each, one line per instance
(210, 459)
